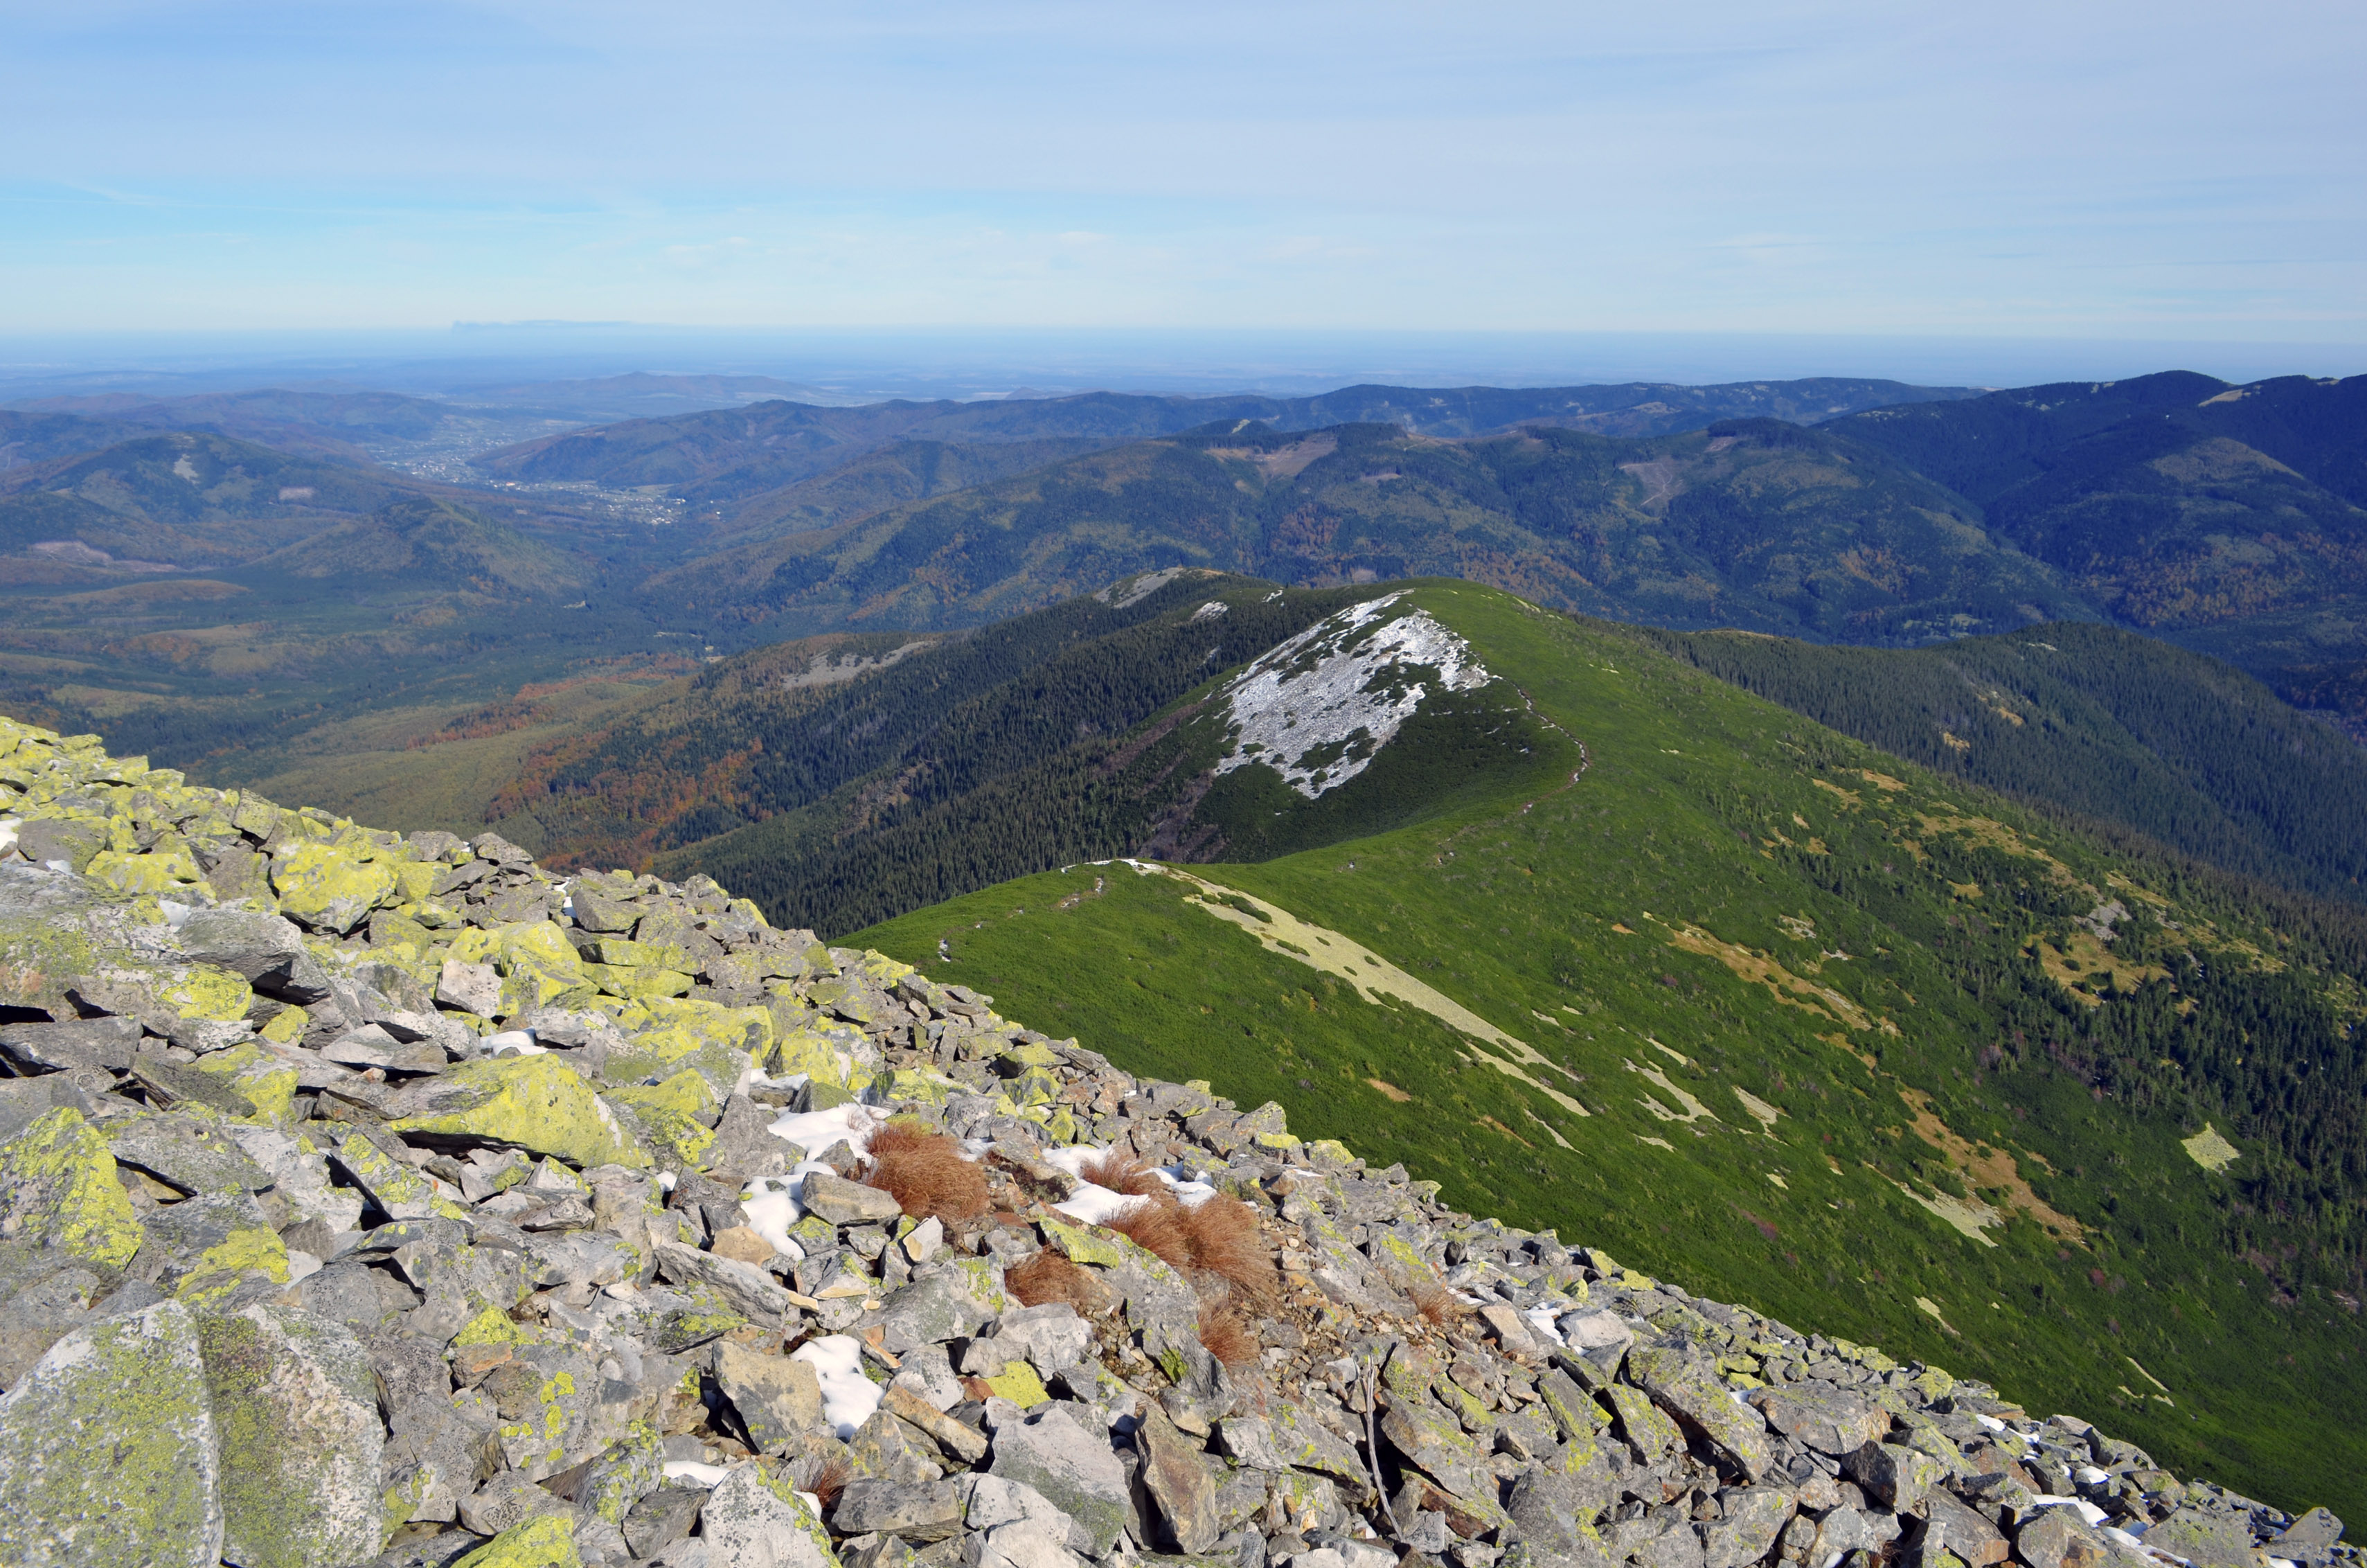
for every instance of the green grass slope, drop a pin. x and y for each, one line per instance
(1797, 1023)
(2094, 721)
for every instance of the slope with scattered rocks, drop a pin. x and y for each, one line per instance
(373, 1200)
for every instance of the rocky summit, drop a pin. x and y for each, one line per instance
(386, 1200)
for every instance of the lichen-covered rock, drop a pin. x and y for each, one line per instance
(631, 1468)
(779, 1398)
(329, 887)
(558, 1409)
(57, 1187)
(756, 1519)
(1178, 1481)
(299, 1175)
(547, 1542)
(108, 1450)
(397, 1189)
(1831, 1421)
(1075, 1469)
(2204, 1539)
(185, 1152)
(1682, 1382)
(297, 1423)
(534, 1103)
(204, 1250)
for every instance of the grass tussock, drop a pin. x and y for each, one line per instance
(1216, 1242)
(1046, 1276)
(825, 1476)
(925, 1172)
(1437, 1304)
(1226, 1334)
(1155, 1225)
(1221, 1238)
(1123, 1172)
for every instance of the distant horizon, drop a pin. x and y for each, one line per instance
(840, 363)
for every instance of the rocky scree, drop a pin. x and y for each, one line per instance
(373, 1199)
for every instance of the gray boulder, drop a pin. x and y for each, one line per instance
(2310, 1538)
(843, 1202)
(779, 1398)
(72, 1043)
(2204, 1539)
(924, 1511)
(1750, 1519)
(1682, 1382)
(1073, 1468)
(108, 1450)
(1829, 1420)
(755, 1520)
(1178, 1481)
(183, 1152)
(295, 1407)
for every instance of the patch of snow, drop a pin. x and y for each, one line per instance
(1094, 1205)
(772, 1204)
(518, 1040)
(848, 1398)
(1339, 692)
(1542, 1324)
(814, 1131)
(705, 1475)
(1188, 1191)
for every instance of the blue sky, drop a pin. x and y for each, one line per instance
(2166, 170)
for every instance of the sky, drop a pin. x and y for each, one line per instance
(2099, 171)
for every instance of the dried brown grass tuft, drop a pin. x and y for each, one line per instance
(925, 1172)
(1156, 1227)
(1436, 1303)
(1124, 1172)
(1222, 1237)
(1226, 1334)
(825, 1476)
(1046, 1276)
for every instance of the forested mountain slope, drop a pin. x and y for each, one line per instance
(2091, 720)
(1756, 523)
(776, 774)
(1790, 1016)
(2232, 519)
(729, 455)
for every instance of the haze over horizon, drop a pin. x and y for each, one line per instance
(2177, 175)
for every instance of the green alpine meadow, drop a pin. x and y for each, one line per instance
(1773, 1013)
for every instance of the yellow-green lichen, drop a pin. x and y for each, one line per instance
(267, 1082)
(535, 1103)
(164, 869)
(330, 886)
(492, 1327)
(221, 1266)
(58, 1185)
(673, 1113)
(206, 992)
(547, 1540)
